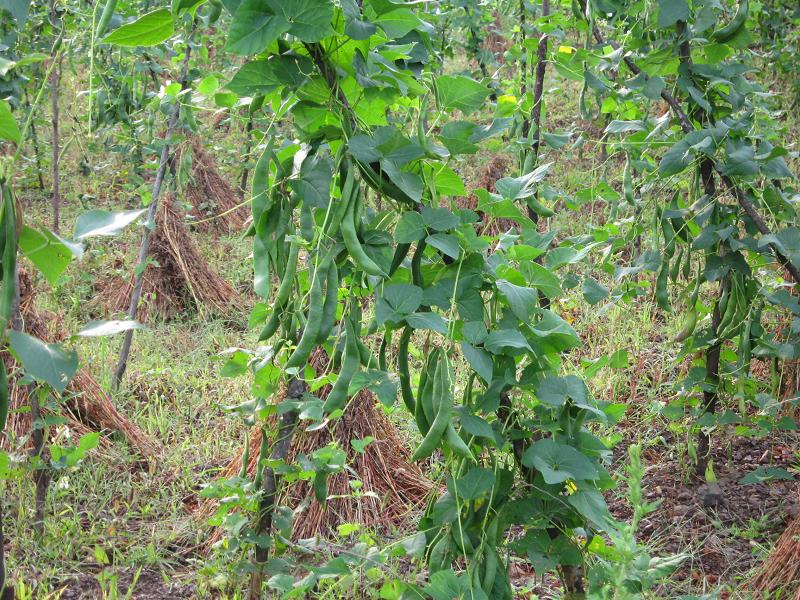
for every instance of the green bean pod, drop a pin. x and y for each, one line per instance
(287, 284)
(245, 455)
(105, 18)
(353, 245)
(662, 291)
(263, 452)
(308, 340)
(443, 404)
(366, 356)
(403, 370)
(456, 444)
(338, 395)
(331, 303)
(490, 564)
(400, 253)
(729, 31)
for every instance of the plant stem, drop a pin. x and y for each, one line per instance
(245, 170)
(269, 486)
(144, 247)
(55, 78)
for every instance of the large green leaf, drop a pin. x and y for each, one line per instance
(254, 27)
(463, 93)
(558, 462)
(8, 125)
(476, 483)
(479, 360)
(310, 20)
(18, 9)
(439, 219)
(95, 223)
(255, 77)
(148, 30)
(397, 301)
(410, 228)
(522, 300)
(49, 363)
(47, 251)
(555, 391)
(501, 340)
(672, 11)
(591, 505)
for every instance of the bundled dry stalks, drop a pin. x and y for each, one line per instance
(384, 468)
(217, 208)
(494, 170)
(181, 278)
(780, 574)
(86, 405)
(495, 42)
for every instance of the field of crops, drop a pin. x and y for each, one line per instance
(399, 299)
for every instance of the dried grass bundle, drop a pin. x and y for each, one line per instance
(495, 42)
(780, 574)
(86, 405)
(494, 170)
(181, 278)
(217, 208)
(385, 469)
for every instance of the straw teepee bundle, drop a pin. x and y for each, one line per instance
(86, 405)
(216, 207)
(399, 487)
(495, 169)
(180, 279)
(780, 572)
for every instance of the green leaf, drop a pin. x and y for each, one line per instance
(555, 391)
(439, 219)
(543, 280)
(555, 331)
(254, 27)
(8, 125)
(103, 222)
(397, 301)
(476, 483)
(18, 9)
(462, 93)
(445, 243)
(672, 11)
(477, 426)
(360, 446)
(47, 251)
(556, 140)
(428, 320)
(65, 458)
(397, 23)
(593, 292)
(762, 474)
(522, 300)
(255, 77)
(740, 160)
(102, 328)
(314, 184)
(410, 228)
(479, 360)
(447, 182)
(49, 363)
(148, 30)
(591, 505)
(524, 186)
(499, 341)
(558, 462)
(310, 20)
